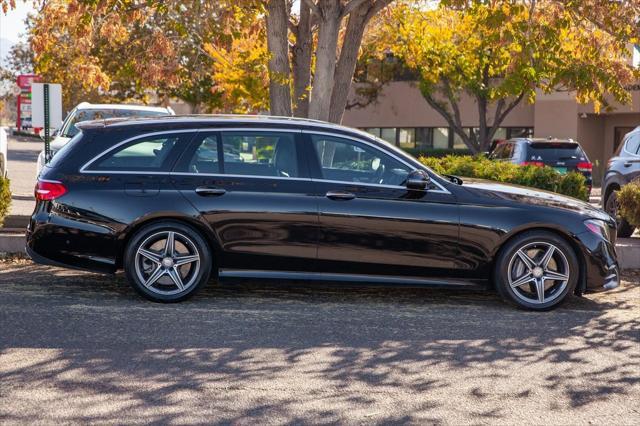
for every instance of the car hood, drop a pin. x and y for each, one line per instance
(533, 196)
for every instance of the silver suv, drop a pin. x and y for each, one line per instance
(622, 168)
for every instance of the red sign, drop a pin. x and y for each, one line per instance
(24, 100)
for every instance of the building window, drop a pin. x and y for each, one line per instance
(407, 138)
(458, 143)
(388, 134)
(500, 134)
(375, 131)
(519, 132)
(441, 138)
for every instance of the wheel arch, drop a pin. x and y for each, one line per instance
(567, 237)
(197, 225)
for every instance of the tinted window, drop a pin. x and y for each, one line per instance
(503, 151)
(205, 158)
(63, 152)
(348, 161)
(554, 151)
(260, 154)
(633, 144)
(70, 128)
(151, 153)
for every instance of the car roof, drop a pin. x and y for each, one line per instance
(543, 140)
(211, 120)
(131, 107)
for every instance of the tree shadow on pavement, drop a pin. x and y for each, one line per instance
(81, 347)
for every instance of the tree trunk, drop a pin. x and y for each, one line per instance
(277, 41)
(346, 66)
(329, 27)
(301, 58)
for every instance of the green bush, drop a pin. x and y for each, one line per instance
(5, 198)
(629, 202)
(546, 178)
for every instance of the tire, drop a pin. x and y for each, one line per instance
(167, 275)
(625, 230)
(511, 268)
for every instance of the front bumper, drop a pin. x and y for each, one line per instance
(601, 271)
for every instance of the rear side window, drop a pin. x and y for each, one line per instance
(246, 153)
(148, 153)
(555, 151)
(65, 150)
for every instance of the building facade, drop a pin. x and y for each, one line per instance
(402, 116)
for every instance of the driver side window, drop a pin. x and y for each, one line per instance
(349, 161)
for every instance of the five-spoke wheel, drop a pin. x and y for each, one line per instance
(536, 270)
(167, 262)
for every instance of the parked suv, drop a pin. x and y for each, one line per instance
(564, 155)
(621, 169)
(86, 111)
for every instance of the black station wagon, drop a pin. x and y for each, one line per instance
(175, 201)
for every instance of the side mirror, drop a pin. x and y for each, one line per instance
(417, 180)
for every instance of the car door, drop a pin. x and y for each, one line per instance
(253, 188)
(370, 223)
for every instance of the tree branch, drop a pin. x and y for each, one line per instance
(351, 6)
(313, 6)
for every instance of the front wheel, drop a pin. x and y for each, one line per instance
(536, 270)
(167, 262)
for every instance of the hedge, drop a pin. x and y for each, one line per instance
(5, 198)
(629, 202)
(547, 178)
(435, 152)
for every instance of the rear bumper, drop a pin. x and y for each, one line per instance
(70, 243)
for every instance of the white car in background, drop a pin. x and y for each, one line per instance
(86, 111)
(3, 152)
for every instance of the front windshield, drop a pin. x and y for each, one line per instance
(70, 129)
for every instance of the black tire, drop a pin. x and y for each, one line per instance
(534, 242)
(625, 230)
(187, 245)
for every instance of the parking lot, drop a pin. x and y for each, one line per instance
(79, 347)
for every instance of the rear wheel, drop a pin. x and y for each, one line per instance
(536, 270)
(167, 262)
(625, 230)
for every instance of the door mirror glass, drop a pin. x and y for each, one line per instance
(417, 180)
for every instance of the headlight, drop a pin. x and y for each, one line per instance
(598, 227)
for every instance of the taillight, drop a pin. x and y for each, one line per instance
(533, 163)
(49, 190)
(585, 166)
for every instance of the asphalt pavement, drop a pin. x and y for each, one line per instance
(78, 347)
(22, 170)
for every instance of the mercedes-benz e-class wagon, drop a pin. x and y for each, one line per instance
(175, 201)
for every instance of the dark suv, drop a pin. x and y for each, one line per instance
(564, 155)
(621, 169)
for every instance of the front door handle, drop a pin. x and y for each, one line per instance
(206, 191)
(340, 195)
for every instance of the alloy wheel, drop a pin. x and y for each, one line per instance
(167, 262)
(538, 273)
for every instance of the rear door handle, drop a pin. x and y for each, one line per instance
(340, 195)
(206, 191)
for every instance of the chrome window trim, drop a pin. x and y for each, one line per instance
(442, 189)
(84, 170)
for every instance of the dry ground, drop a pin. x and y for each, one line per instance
(78, 347)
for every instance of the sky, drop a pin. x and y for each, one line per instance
(12, 24)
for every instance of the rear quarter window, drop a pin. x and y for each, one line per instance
(151, 153)
(63, 152)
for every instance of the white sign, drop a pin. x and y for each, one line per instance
(37, 105)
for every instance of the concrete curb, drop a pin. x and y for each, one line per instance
(628, 249)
